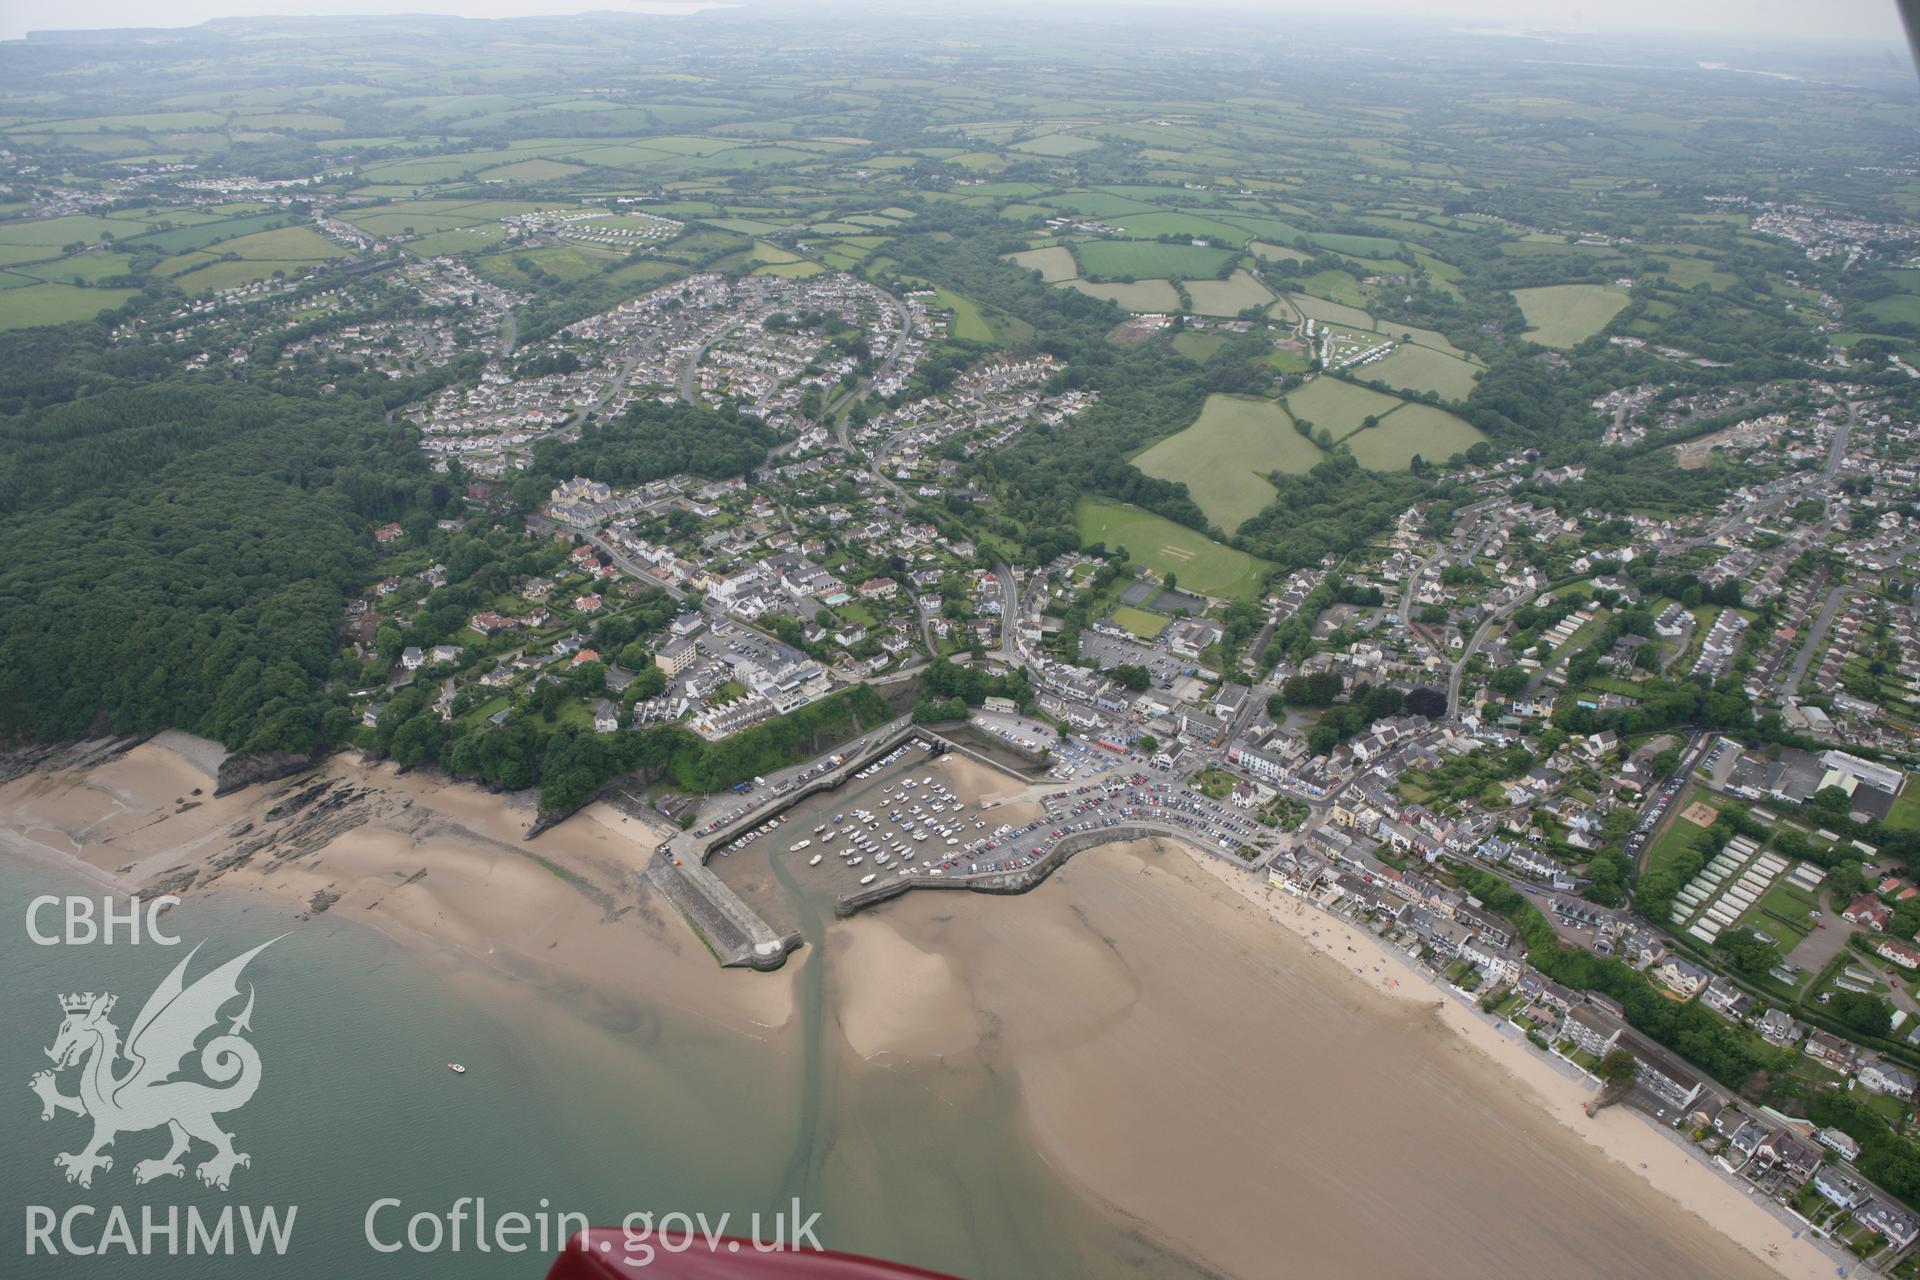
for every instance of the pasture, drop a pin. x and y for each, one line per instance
(1198, 346)
(1412, 430)
(1141, 295)
(1417, 368)
(1563, 315)
(1143, 259)
(1056, 144)
(1330, 312)
(1226, 455)
(1054, 263)
(969, 323)
(1163, 547)
(1227, 297)
(1338, 406)
(37, 304)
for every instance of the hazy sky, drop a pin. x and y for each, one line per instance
(1841, 19)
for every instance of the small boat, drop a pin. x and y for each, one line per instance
(869, 877)
(456, 1068)
(814, 861)
(801, 844)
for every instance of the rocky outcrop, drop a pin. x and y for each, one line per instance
(17, 762)
(238, 771)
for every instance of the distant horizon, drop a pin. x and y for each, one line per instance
(1769, 21)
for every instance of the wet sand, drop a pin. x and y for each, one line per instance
(1182, 1062)
(439, 866)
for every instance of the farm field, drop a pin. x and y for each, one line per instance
(1330, 312)
(968, 324)
(1339, 407)
(1164, 547)
(1141, 295)
(1057, 144)
(1562, 315)
(1276, 253)
(1054, 263)
(56, 304)
(1198, 346)
(1225, 456)
(1417, 368)
(798, 269)
(1412, 430)
(1141, 259)
(1227, 297)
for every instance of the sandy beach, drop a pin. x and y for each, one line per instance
(1241, 1087)
(1180, 1048)
(437, 865)
(1625, 1137)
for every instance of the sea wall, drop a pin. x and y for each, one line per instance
(1009, 881)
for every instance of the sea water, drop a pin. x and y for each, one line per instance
(566, 1107)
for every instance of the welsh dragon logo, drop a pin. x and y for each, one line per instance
(129, 1088)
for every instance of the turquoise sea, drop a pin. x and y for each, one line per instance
(645, 1111)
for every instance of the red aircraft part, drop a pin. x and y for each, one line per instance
(604, 1253)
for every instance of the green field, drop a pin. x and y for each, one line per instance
(55, 304)
(1144, 259)
(799, 269)
(1413, 430)
(1190, 225)
(1225, 456)
(1417, 368)
(1141, 295)
(1330, 312)
(1054, 263)
(1677, 834)
(1275, 252)
(968, 324)
(1163, 547)
(1057, 144)
(1338, 406)
(1562, 315)
(1227, 297)
(1139, 621)
(1905, 814)
(1198, 346)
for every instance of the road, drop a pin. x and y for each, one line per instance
(1790, 684)
(1414, 580)
(1660, 803)
(1499, 618)
(693, 361)
(1837, 454)
(572, 430)
(621, 560)
(1009, 613)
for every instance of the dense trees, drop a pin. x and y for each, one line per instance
(1332, 509)
(180, 555)
(652, 440)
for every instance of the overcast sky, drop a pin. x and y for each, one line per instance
(1799, 19)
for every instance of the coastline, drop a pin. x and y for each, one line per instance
(964, 981)
(1625, 1137)
(436, 866)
